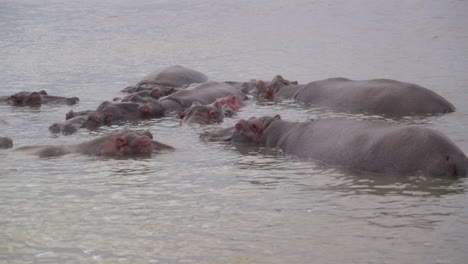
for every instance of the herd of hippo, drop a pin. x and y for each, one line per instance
(366, 146)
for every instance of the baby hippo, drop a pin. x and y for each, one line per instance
(37, 99)
(5, 142)
(125, 143)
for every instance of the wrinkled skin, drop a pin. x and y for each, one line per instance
(126, 143)
(6, 142)
(380, 96)
(204, 93)
(365, 146)
(37, 99)
(172, 76)
(203, 114)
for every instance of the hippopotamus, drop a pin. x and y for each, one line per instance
(6, 142)
(203, 114)
(365, 146)
(37, 98)
(128, 111)
(172, 76)
(379, 96)
(204, 93)
(108, 113)
(125, 143)
(91, 120)
(211, 113)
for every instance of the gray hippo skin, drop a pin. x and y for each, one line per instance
(126, 143)
(204, 93)
(374, 147)
(380, 96)
(6, 142)
(172, 76)
(37, 99)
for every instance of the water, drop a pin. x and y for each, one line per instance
(208, 202)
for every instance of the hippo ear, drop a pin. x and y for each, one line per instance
(147, 133)
(233, 100)
(295, 82)
(13, 100)
(43, 92)
(218, 105)
(259, 84)
(277, 117)
(69, 115)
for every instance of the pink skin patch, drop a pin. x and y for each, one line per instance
(232, 102)
(144, 145)
(294, 83)
(115, 146)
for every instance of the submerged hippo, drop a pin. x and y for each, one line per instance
(37, 99)
(126, 143)
(379, 96)
(374, 147)
(172, 76)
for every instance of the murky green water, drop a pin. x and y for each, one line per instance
(209, 202)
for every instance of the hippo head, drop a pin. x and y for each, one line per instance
(268, 90)
(249, 132)
(96, 119)
(127, 143)
(246, 132)
(203, 114)
(26, 98)
(151, 110)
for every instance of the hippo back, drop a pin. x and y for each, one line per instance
(175, 76)
(379, 96)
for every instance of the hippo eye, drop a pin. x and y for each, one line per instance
(254, 127)
(238, 126)
(213, 114)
